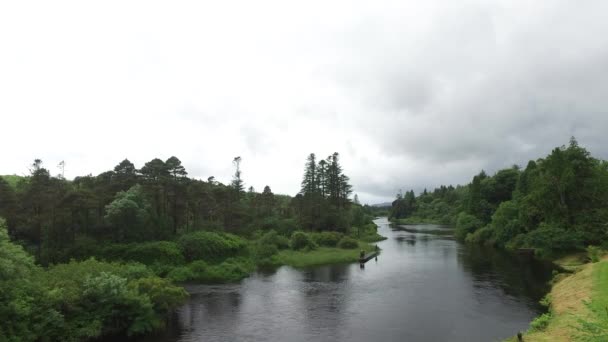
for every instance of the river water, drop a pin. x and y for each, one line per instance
(424, 286)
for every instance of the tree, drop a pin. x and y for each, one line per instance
(310, 182)
(237, 182)
(128, 215)
(8, 203)
(126, 175)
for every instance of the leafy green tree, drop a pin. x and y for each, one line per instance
(128, 214)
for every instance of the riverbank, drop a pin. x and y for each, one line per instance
(272, 250)
(577, 304)
(321, 256)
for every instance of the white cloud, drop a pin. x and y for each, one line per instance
(412, 94)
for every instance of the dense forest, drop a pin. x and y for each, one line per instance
(556, 204)
(99, 255)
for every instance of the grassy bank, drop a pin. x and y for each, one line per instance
(217, 257)
(578, 305)
(321, 256)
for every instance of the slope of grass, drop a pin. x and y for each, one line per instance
(579, 305)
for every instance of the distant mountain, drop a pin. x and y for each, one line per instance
(382, 205)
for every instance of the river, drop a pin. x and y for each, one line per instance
(425, 286)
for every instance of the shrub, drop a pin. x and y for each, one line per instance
(541, 322)
(180, 274)
(327, 239)
(348, 243)
(262, 253)
(466, 224)
(272, 238)
(480, 235)
(301, 240)
(547, 238)
(99, 298)
(505, 222)
(230, 270)
(161, 252)
(161, 292)
(211, 245)
(593, 253)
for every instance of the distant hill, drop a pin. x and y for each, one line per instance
(12, 180)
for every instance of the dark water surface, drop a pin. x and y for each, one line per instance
(424, 287)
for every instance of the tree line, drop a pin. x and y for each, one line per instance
(50, 214)
(554, 204)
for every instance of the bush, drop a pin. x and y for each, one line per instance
(593, 253)
(231, 270)
(480, 235)
(162, 293)
(466, 224)
(272, 238)
(327, 239)
(301, 240)
(211, 245)
(263, 253)
(541, 322)
(348, 243)
(180, 274)
(547, 238)
(98, 298)
(162, 252)
(505, 223)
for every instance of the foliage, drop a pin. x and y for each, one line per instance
(593, 253)
(128, 212)
(301, 240)
(541, 322)
(319, 256)
(348, 243)
(466, 224)
(556, 203)
(327, 239)
(547, 238)
(210, 245)
(482, 235)
(78, 300)
(230, 270)
(273, 238)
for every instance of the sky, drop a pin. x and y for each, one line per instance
(412, 94)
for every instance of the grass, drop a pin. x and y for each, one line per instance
(578, 304)
(321, 256)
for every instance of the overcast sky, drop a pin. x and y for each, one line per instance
(412, 94)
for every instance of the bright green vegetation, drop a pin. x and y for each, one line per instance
(99, 255)
(12, 180)
(578, 306)
(555, 205)
(78, 300)
(321, 256)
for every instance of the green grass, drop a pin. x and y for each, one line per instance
(579, 304)
(320, 256)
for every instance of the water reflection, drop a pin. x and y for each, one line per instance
(425, 287)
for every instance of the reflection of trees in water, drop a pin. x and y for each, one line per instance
(516, 275)
(409, 239)
(218, 308)
(325, 298)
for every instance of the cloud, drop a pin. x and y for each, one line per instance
(412, 94)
